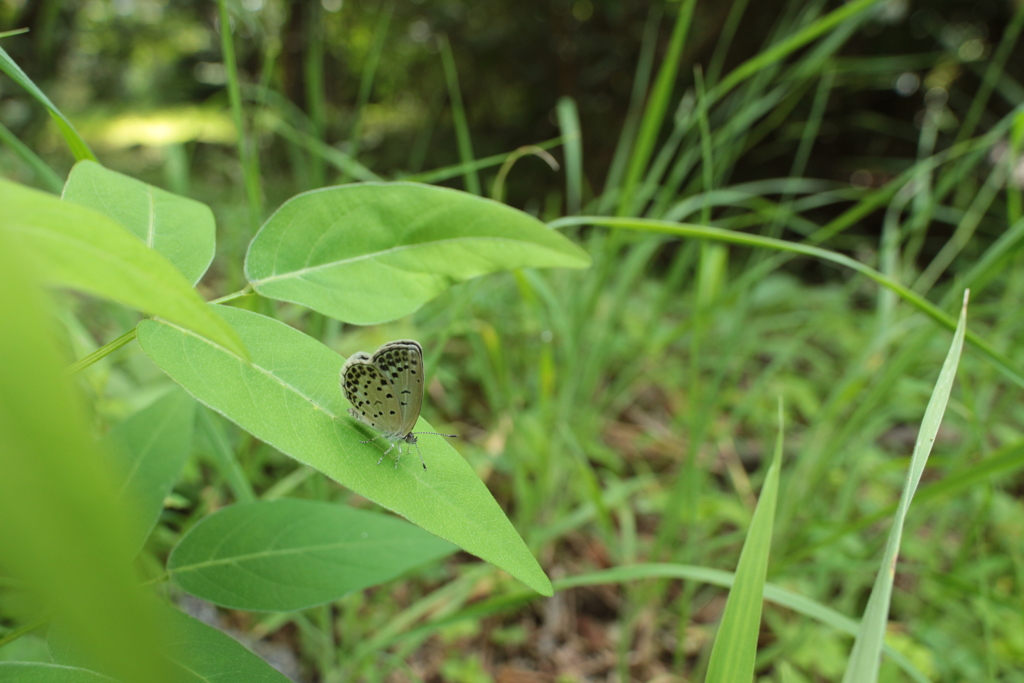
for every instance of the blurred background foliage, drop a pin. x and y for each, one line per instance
(144, 78)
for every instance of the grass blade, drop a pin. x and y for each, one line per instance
(250, 162)
(459, 117)
(78, 145)
(735, 648)
(654, 114)
(47, 175)
(569, 123)
(1000, 360)
(865, 658)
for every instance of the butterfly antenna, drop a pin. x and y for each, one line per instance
(422, 461)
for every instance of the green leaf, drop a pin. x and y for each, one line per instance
(867, 648)
(287, 555)
(73, 246)
(36, 672)
(63, 536)
(150, 449)
(372, 252)
(195, 653)
(289, 396)
(735, 648)
(182, 230)
(71, 136)
(201, 653)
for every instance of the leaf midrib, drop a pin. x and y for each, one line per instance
(390, 250)
(239, 559)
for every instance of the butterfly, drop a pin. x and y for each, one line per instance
(386, 392)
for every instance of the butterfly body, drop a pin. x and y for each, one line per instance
(386, 391)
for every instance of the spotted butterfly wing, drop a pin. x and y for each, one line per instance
(386, 389)
(401, 362)
(386, 392)
(374, 399)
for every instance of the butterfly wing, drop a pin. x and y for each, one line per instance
(374, 398)
(401, 362)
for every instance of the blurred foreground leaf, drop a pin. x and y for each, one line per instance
(72, 246)
(194, 653)
(62, 535)
(38, 672)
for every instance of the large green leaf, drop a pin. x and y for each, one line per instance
(372, 252)
(182, 230)
(37, 672)
(289, 396)
(73, 246)
(287, 555)
(200, 654)
(150, 448)
(63, 535)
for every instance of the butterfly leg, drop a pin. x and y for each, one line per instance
(385, 453)
(399, 454)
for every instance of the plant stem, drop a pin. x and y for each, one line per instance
(101, 352)
(23, 630)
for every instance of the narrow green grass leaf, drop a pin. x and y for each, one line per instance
(569, 123)
(333, 156)
(451, 77)
(42, 170)
(626, 139)
(368, 73)
(773, 55)
(182, 230)
(62, 534)
(150, 448)
(1003, 363)
(735, 648)
(867, 649)
(438, 175)
(372, 252)
(78, 146)
(246, 153)
(287, 554)
(1000, 464)
(73, 246)
(657, 106)
(289, 396)
(498, 188)
(37, 672)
